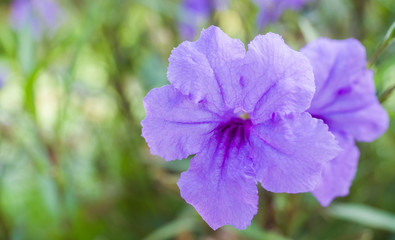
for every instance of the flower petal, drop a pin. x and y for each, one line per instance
(209, 69)
(336, 64)
(276, 78)
(345, 98)
(175, 127)
(364, 124)
(221, 184)
(289, 152)
(337, 174)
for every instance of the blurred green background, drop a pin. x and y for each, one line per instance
(74, 166)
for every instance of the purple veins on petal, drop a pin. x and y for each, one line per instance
(244, 123)
(345, 100)
(221, 183)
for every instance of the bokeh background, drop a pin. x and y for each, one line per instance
(74, 166)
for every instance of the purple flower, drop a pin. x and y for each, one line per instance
(271, 10)
(243, 115)
(195, 13)
(345, 100)
(36, 15)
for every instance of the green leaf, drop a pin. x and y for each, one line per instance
(364, 215)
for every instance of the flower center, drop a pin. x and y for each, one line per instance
(236, 130)
(244, 116)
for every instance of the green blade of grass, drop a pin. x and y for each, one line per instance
(364, 215)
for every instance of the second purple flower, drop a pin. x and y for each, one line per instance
(346, 101)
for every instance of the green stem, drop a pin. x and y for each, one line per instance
(386, 94)
(30, 96)
(4, 226)
(388, 39)
(378, 52)
(270, 212)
